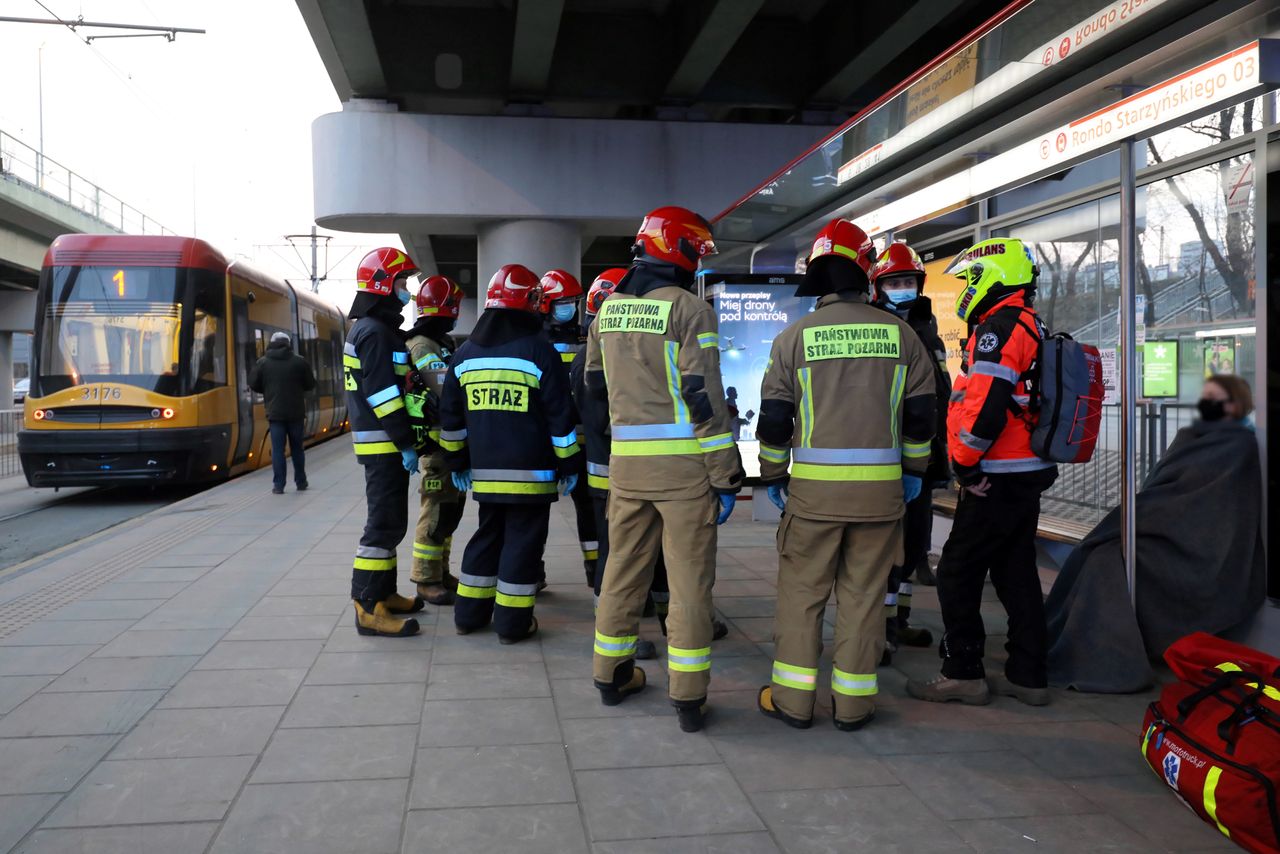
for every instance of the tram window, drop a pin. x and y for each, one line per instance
(209, 337)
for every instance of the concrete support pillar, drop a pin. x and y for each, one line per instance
(539, 244)
(6, 370)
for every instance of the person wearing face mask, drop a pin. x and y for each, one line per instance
(898, 280)
(437, 305)
(1200, 559)
(374, 365)
(560, 294)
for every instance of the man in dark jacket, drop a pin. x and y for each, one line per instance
(283, 377)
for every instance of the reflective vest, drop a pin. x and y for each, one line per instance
(430, 359)
(374, 365)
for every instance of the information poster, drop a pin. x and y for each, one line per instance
(942, 292)
(1219, 356)
(752, 311)
(1110, 378)
(1160, 369)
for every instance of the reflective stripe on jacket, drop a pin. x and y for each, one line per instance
(430, 359)
(848, 397)
(374, 365)
(653, 360)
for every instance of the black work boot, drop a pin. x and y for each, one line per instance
(627, 680)
(692, 714)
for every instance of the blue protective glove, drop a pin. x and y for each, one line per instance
(410, 460)
(462, 480)
(911, 486)
(778, 495)
(726, 508)
(568, 483)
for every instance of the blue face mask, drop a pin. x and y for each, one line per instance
(563, 312)
(403, 296)
(900, 297)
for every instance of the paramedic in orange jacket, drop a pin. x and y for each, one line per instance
(1000, 478)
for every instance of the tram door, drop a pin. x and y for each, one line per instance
(246, 356)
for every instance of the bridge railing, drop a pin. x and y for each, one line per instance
(10, 422)
(21, 162)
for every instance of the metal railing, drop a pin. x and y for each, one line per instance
(10, 423)
(22, 163)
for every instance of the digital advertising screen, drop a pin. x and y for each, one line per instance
(752, 310)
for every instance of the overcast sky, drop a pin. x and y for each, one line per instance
(209, 135)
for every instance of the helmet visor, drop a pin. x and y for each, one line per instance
(966, 268)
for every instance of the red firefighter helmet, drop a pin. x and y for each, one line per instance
(439, 296)
(379, 270)
(605, 284)
(897, 259)
(839, 238)
(672, 235)
(558, 285)
(513, 286)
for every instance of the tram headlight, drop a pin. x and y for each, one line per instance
(155, 413)
(38, 415)
(168, 413)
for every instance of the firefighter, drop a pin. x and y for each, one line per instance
(596, 451)
(653, 364)
(1001, 480)
(440, 503)
(561, 292)
(507, 429)
(375, 364)
(848, 396)
(898, 279)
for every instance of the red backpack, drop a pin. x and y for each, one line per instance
(1214, 737)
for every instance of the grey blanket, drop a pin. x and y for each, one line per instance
(1200, 564)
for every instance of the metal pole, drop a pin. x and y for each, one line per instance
(40, 90)
(1128, 367)
(315, 276)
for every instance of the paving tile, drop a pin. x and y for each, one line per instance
(578, 698)
(249, 655)
(734, 607)
(138, 839)
(183, 615)
(1078, 749)
(223, 688)
(485, 681)
(106, 609)
(350, 668)
(542, 829)
(176, 733)
(153, 791)
(124, 674)
(740, 673)
(345, 639)
(16, 689)
(297, 627)
(728, 843)
(116, 590)
(634, 743)
(135, 644)
(490, 776)
(289, 606)
(783, 759)
(147, 574)
(20, 813)
(644, 803)
(42, 660)
(318, 818)
(483, 648)
(882, 819)
(758, 629)
(731, 587)
(67, 632)
(295, 585)
(355, 705)
(468, 723)
(912, 726)
(78, 713)
(985, 785)
(1147, 806)
(1062, 833)
(337, 753)
(36, 765)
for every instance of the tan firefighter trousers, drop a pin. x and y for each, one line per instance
(685, 531)
(440, 511)
(856, 558)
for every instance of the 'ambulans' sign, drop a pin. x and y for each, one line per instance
(851, 341)
(634, 315)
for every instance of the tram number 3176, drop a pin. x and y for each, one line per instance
(104, 392)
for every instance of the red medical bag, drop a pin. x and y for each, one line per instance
(1214, 737)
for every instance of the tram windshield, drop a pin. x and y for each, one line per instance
(101, 324)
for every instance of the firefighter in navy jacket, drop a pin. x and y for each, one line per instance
(375, 363)
(506, 425)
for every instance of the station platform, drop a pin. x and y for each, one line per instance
(191, 681)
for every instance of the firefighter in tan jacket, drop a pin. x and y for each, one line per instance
(653, 355)
(848, 396)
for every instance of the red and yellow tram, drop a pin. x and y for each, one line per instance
(141, 360)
